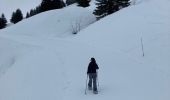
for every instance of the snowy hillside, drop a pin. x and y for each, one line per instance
(54, 23)
(49, 63)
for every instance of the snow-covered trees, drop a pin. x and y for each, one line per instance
(107, 7)
(123, 3)
(3, 21)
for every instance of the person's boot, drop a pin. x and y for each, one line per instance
(95, 91)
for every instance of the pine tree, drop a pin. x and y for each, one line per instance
(123, 3)
(3, 17)
(69, 2)
(83, 3)
(3, 21)
(33, 12)
(62, 4)
(16, 16)
(45, 5)
(51, 4)
(105, 7)
(27, 15)
(57, 4)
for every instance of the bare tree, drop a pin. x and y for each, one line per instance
(76, 26)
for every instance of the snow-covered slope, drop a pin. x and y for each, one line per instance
(38, 66)
(54, 23)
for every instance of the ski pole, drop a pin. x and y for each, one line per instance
(86, 84)
(98, 79)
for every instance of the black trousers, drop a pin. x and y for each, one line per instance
(93, 79)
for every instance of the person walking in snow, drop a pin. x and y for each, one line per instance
(92, 73)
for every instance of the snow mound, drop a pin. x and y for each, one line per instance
(55, 23)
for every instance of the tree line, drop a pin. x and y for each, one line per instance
(104, 8)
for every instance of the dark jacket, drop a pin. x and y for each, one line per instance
(92, 67)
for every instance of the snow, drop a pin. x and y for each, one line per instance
(54, 23)
(41, 63)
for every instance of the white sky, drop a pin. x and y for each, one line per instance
(8, 6)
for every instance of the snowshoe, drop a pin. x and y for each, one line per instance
(95, 92)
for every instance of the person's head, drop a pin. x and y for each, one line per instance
(93, 60)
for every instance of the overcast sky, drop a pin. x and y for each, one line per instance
(8, 6)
